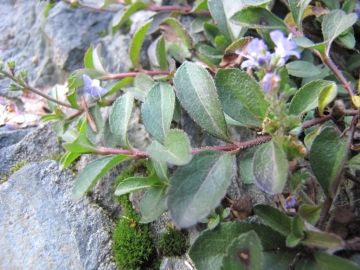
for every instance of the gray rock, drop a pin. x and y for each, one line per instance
(71, 31)
(10, 137)
(43, 228)
(38, 145)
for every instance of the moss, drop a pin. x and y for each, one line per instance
(133, 243)
(16, 167)
(173, 243)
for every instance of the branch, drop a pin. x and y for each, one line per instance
(133, 74)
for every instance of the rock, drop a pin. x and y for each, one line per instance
(10, 137)
(71, 31)
(38, 145)
(43, 228)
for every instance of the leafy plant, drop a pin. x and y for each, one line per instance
(255, 70)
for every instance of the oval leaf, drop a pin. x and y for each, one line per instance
(124, 14)
(274, 218)
(256, 17)
(307, 97)
(197, 188)
(302, 69)
(197, 93)
(176, 149)
(222, 11)
(270, 168)
(158, 109)
(326, 95)
(241, 97)
(131, 184)
(137, 42)
(94, 171)
(244, 252)
(327, 157)
(119, 118)
(152, 204)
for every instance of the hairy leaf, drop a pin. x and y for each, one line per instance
(92, 172)
(197, 93)
(196, 188)
(152, 204)
(131, 184)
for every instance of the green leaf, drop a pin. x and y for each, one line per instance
(117, 86)
(131, 184)
(161, 54)
(199, 5)
(302, 69)
(152, 204)
(176, 32)
(256, 17)
(348, 40)
(161, 169)
(196, 188)
(297, 10)
(327, 157)
(274, 218)
(222, 11)
(270, 168)
(209, 248)
(92, 172)
(158, 109)
(335, 23)
(176, 148)
(143, 84)
(255, 2)
(76, 78)
(178, 51)
(81, 145)
(297, 226)
(92, 59)
(197, 24)
(246, 166)
(67, 159)
(310, 213)
(354, 163)
(241, 97)
(119, 118)
(211, 32)
(307, 97)
(292, 240)
(331, 262)
(244, 252)
(109, 138)
(304, 42)
(327, 94)
(71, 97)
(320, 239)
(209, 53)
(197, 93)
(124, 14)
(95, 137)
(136, 44)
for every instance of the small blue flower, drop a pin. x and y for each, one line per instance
(270, 82)
(257, 54)
(357, 8)
(92, 87)
(290, 202)
(285, 47)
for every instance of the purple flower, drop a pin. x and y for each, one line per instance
(285, 47)
(290, 202)
(270, 82)
(257, 54)
(92, 87)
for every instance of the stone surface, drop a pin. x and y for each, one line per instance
(9, 137)
(41, 227)
(38, 145)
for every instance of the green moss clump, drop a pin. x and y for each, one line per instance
(133, 243)
(173, 243)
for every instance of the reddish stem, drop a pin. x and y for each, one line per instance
(133, 74)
